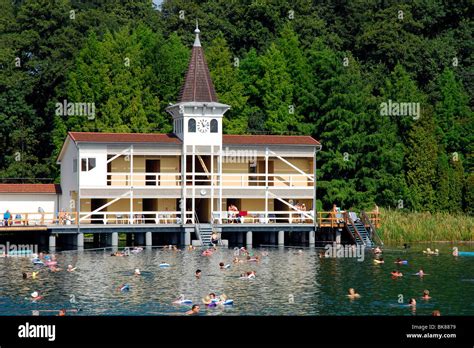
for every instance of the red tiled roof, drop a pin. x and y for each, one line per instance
(270, 139)
(30, 188)
(172, 139)
(124, 137)
(198, 86)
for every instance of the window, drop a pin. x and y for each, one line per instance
(214, 126)
(91, 162)
(192, 125)
(87, 164)
(74, 165)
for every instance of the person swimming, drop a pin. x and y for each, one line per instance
(353, 294)
(421, 273)
(70, 268)
(426, 295)
(221, 265)
(378, 261)
(400, 261)
(436, 313)
(198, 274)
(377, 250)
(32, 275)
(137, 272)
(62, 313)
(248, 275)
(194, 310)
(428, 251)
(412, 302)
(396, 274)
(36, 296)
(455, 251)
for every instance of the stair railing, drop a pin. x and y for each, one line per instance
(348, 221)
(372, 230)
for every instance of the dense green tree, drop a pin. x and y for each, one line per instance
(224, 73)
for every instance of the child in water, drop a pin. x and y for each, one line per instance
(426, 295)
(379, 261)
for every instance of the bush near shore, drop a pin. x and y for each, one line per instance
(398, 226)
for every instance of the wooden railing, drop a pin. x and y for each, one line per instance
(228, 180)
(41, 219)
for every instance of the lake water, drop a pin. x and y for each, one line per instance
(287, 283)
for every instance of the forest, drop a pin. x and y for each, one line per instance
(350, 73)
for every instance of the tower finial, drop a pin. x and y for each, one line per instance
(197, 42)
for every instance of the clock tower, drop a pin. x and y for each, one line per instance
(197, 117)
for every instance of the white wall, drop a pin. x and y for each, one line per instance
(27, 203)
(68, 177)
(98, 175)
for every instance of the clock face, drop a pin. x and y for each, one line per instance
(203, 126)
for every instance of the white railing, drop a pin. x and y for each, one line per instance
(229, 180)
(134, 218)
(263, 217)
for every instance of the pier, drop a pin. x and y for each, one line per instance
(53, 230)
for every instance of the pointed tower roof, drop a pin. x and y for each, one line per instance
(198, 86)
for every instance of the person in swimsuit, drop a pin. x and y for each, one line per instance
(198, 274)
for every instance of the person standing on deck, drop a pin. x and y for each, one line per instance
(7, 216)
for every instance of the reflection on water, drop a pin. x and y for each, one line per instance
(287, 283)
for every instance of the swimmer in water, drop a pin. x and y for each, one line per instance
(198, 274)
(399, 261)
(426, 295)
(412, 302)
(455, 251)
(194, 310)
(137, 272)
(54, 269)
(70, 268)
(32, 275)
(378, 261)
(353, 294)
(421, 273)
(212, 296)
(436, 313)
(396, 274)
(251, 274)
(221, 265)
(36, 296)
(377, 250)
(62, 313)
(207, 300)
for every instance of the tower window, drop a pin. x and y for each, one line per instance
(192, 125)
(214, 126)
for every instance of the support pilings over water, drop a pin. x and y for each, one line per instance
(52, 242)
(114, 239)
(312, 238)
(281, 238)
(148, 239)
(187, 238)
(80, 241)
(249, 239)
